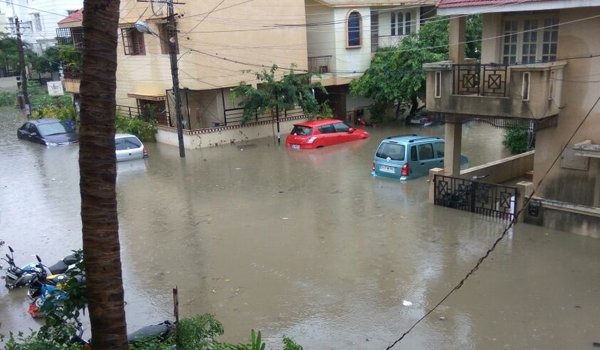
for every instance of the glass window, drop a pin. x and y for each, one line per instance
(413, 153)
(301, 130)
(438, 149)
(354, 29)
(52, 129)
(530, 40)
(550, 38)
(133, 41)
(407, 23)
(341, 127)
(425, 151)
(165, 34)
(510, 42)
(127, 143)
(390, 150)
(400, 23)
(327, 129)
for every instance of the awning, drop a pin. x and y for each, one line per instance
(147, 97)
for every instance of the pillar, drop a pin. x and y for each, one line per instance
(456, 40)
(453, 136)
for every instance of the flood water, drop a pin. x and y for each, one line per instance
(308, 245)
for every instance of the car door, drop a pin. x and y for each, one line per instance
(33, 134)
(427, 159)
(342, 133)
(327, 136)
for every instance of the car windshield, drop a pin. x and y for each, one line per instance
(48, 129)
(301, 130)
(127, 143)
(393, 151)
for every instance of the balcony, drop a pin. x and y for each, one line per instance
(526, 91)
(319, 64)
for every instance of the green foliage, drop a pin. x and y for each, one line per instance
(9, 56)
(39, 98)
(48, 61)
(8, 98)
(71, 58)
(276, 96)
(137, 126)
(516, 139)
(396, 74)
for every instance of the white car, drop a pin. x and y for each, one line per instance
(129, 147)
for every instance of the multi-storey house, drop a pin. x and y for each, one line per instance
(538, 69)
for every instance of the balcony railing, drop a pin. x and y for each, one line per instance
(319, 64)
(479, 79)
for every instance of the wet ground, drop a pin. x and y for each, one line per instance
(309, 245)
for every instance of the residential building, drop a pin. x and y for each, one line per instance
(219, 45)
(70, 32)
(38, 19)
(343, 36)
(539, 65)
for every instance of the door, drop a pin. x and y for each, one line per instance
(426, 161)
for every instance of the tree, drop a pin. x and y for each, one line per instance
(273, 96)
(47, 62)
(396, 74)
(104, 289)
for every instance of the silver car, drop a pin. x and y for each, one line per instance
(129, 147)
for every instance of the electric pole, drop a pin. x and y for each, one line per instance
(172, 28)
(22, 68)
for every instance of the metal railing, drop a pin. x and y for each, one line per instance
(319, 64)
(497, 201)
(480, 79)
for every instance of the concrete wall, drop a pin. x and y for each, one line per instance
(350, 61)
(225, 135)
(218, 51)
(502, 170)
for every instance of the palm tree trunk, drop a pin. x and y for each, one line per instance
(98, 174)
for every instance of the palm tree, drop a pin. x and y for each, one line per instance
(98, 174)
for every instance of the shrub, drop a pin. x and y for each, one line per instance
(135, 125)
(516, 139)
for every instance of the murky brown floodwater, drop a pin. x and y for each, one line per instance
(309, 245)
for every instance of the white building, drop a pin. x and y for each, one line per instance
(38, 19)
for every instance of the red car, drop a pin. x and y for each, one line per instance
(322, 132)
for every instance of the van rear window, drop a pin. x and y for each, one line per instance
(393, 151)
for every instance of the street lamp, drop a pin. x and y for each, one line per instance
(142, 27)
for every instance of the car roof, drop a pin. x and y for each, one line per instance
(44, 121)
(123, 135)
(410, 138)
(318, 122)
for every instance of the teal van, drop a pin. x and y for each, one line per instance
(407, 157)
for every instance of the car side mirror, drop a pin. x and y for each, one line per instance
(351, 130)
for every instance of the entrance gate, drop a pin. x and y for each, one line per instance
(492, 200)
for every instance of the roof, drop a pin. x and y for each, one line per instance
(410, 138)
(468, 3)
(375, 3)
(74, 18)
(466, 7)
(319, 122)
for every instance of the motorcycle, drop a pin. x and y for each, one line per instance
(22, 276)
(160, 332)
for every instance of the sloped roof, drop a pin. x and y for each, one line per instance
(375, 3)
(74, 18)
(468, 3)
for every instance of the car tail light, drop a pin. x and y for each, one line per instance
(373, 166)
(405, 170)
(312, 139)
(145, 152)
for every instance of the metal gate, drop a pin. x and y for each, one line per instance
(492, 200)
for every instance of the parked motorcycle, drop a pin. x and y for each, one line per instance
(22, 276)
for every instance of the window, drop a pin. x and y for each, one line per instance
(425, 151)
(327, 129)
(530, 40)
(37, 22)
(413, 153)
(438, 148)
(354, 29)
(400, 23)
(166, 34)
(438, 84)
(341, 127)
(525, 87)
(133, 41)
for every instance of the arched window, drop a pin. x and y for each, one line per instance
(354, 29)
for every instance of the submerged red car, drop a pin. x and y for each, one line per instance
(322, 132)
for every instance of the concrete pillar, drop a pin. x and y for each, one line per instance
(456, 39)
(453, 136)
(525, 189)
(432, 173)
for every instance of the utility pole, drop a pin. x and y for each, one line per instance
(22, 68)
(172, 28)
